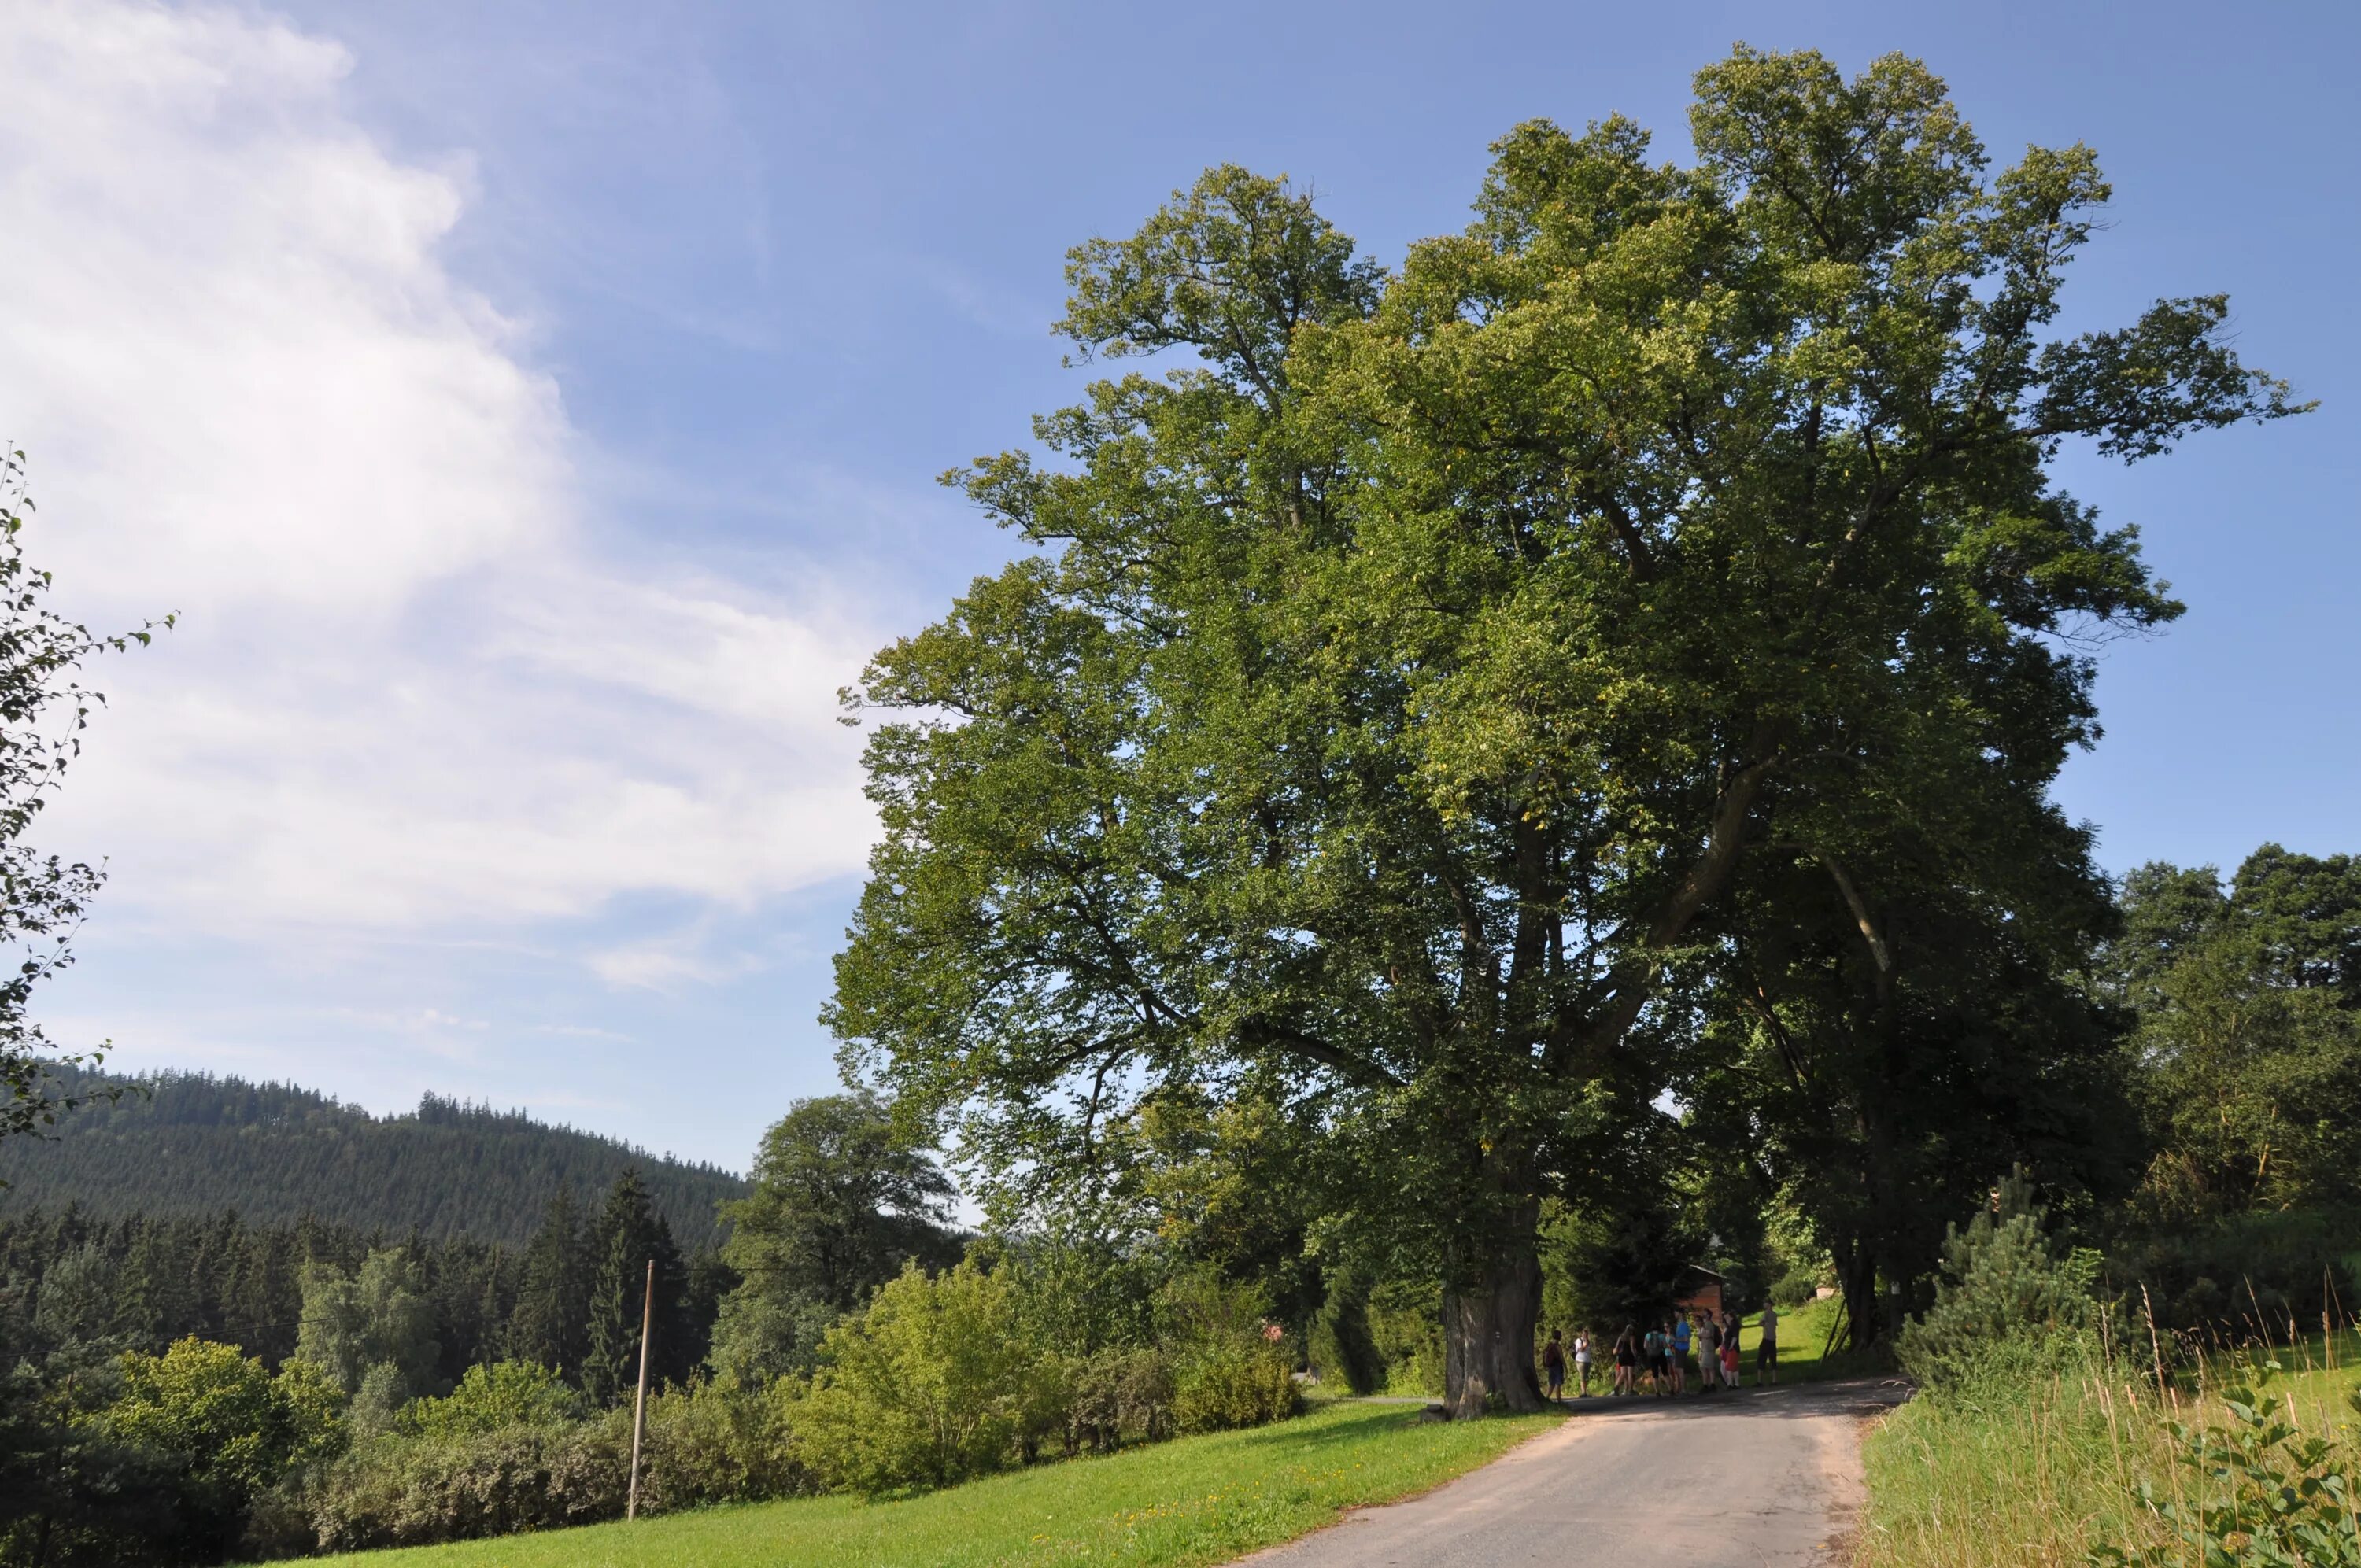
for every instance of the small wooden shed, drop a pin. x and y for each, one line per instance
(1700, 1290)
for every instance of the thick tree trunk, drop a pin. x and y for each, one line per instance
(1857, 1278)
(1488, 1337)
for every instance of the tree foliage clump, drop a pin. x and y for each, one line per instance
(935, 1384)
(2008, 1302)
(838, 1203)
(376, 1318)
(2248, 1002)
(1431, 675)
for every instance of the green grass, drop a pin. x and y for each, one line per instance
(1196, 1501)
(1803, 1334)
(2042, 1479)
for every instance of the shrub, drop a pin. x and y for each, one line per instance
(1218, 1387)
(507, 1393)
(1226, 1372)
(398, 1491)
(713, 1442)
(1117, 1396)
(2007, 1304)
(1406, 1322)
(1794, 1288)
(706, 1443)
(935, 1383)
(2264, 1496)
(2248, 1273)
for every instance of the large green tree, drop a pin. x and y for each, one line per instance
(627, 1239)
(376, 1318)
(1406, 672)
(1889, 1026)
(2249, 1042)
(549, 1325)
(839, 1202)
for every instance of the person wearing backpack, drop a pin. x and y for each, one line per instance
(1554, 1368)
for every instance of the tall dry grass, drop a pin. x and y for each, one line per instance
(2041, 1472)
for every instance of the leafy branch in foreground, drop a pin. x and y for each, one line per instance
(2265, 1496)
(44, 707)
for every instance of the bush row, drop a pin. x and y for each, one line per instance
(940, 1380)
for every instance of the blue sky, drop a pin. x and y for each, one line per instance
(532, 409)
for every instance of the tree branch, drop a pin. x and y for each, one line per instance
(1258, 1030)
(1869, 931)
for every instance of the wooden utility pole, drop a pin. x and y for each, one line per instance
(640, 1411)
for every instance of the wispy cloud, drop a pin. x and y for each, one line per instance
(412, 694)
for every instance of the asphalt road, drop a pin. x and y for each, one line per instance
(1760, 1478)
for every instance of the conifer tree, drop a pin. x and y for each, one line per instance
(629, 1234)
(546, 1327)
(2006, 1293)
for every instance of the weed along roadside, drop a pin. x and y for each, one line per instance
(1192, 1500)
(2055, 1426)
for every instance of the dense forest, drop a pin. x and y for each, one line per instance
(190, 1144)
(139, 1283)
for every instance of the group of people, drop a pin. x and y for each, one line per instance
(1660, 1361)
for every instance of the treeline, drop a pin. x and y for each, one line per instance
(2182, 1090)
(182, 1143)
(846, 1338)
(72, 1278)
(2243, 1062)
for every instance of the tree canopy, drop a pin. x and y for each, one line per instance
(1405, 681)
(839, 1202)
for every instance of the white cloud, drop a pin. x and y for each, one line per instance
(409, 695)
(665, 963)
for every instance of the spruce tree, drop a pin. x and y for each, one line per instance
(630, 1234)
(546, 1326)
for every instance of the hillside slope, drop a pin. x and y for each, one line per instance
(191, 1143)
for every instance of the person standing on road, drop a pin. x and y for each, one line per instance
(1651, 1364)
(1679, 1346)
(1709, 1352)
(1729, 1360)
(1554, 1367)
(1766, 1354)
(1582, 1362)
(1626, 1360)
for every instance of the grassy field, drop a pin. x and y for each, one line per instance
(1196, 1501)
(2041, 1480)
(1803, 1333)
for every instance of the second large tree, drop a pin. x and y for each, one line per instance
(1409, 671)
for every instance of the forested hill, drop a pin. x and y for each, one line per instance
(191, 1143)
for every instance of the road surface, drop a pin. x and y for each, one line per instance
(1761, 1478)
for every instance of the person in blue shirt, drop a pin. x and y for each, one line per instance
(1680, 1348)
